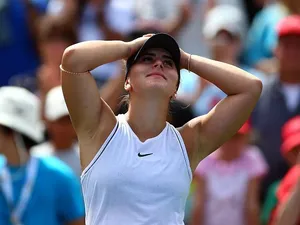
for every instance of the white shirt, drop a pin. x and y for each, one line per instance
(291, 93)
(119, 187)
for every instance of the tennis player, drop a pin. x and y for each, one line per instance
(136, 165)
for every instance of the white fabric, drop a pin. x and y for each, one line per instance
(224, 17)
(292, 95)
(69, 156)
(121, 187)
(55, 105)
(157, 9)
(20, 111)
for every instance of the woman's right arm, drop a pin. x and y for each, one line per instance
(92, 118)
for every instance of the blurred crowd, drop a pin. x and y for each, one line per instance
(246, 180)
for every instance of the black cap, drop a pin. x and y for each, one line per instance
(160, 40)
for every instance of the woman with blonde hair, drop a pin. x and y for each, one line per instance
(136, 165)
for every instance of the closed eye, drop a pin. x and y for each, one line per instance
(146, 58)
(169, 63)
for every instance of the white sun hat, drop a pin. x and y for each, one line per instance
(224, 17)
(20, 111)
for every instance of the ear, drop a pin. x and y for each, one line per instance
(127, 85)
(173, 97)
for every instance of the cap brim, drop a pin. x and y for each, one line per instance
(161, 41)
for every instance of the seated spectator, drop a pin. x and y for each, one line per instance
(262, 36)
(227, 183)
(18, 54)
(54, 37)
(279, 102)
(224, 35)
(168, 16)
(33, 191)
(290, 148)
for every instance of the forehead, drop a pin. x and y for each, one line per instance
(157, 52)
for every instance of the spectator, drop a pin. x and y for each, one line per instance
(290, 149)
(53, 195)
(289, 211)
(210, 4)
(54, 37)
(279, 101)
(262, 37)
(227, 183)
(224, 35)
(66, 10)
(168, 16)
(62, 137)
(253, 7)
(18, 55)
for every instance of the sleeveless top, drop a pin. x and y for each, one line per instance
(132, 182)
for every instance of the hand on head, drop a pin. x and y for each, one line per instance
(184, 59)
(136, 44)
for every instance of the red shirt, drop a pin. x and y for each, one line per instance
(286, 186)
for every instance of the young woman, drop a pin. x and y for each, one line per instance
(136, 165)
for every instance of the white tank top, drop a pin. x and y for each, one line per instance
(131, 182)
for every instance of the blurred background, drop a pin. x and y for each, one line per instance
(259, 36)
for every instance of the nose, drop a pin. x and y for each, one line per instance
(158, 63)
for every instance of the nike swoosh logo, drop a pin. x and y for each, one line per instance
(143, 155)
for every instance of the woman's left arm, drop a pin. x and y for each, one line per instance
(202, 135)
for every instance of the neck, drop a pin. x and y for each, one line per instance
(12, 156)
(153, 114)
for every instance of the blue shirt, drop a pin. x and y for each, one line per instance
(18, 55)
(56, 197)
(262, 36)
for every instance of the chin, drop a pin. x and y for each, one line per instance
(157, 87)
